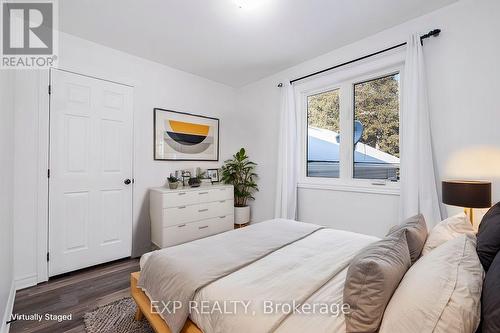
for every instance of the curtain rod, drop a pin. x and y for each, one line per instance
(432, 33)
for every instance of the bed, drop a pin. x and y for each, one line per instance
(275, 276)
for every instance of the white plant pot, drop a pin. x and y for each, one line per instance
(241, 215)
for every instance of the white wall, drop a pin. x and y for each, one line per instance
(463, 72)
(258, 108)
(6, 190)
(155, 85)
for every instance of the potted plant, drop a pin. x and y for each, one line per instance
(239, 172)
(172, 182)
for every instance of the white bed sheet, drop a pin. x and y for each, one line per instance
(310, 270)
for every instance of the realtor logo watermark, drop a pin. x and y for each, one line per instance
(29, 34)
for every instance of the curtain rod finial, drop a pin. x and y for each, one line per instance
(435, 32)
(432, 33)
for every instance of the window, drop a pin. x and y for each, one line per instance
(365, 111)
(376, 128)
(323, 134)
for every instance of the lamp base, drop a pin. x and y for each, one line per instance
(469, 212)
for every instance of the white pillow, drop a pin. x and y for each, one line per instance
(446, 230)
(441, 292)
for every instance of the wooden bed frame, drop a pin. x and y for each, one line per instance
(144, 310)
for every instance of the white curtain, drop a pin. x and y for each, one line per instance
(288, 157)
(418, 182)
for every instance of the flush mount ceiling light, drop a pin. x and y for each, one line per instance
(248, 4)
(241, 3)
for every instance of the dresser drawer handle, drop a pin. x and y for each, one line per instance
(181, 207)
(181, 225)
(204, 227)
(222, 217)
(203, 210)
(181, 193)
(203, 193)
(222, 201)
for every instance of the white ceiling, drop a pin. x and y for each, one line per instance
(219, 40)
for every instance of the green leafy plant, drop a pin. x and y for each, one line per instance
(239, 171)
(201, 175)
(172, 179)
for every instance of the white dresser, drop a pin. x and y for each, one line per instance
(185, 214)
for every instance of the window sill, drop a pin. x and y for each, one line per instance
(388, 189)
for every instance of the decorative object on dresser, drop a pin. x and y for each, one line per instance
(180, 136)
(194, 182)
(213, 175)
(468, 194)
(239, 172)
(185, 175)
(173, 182)
(186, 214)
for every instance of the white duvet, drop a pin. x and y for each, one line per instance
(296, 288)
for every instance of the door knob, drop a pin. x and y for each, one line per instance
(127, 181)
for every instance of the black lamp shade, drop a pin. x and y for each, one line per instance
(467, 193)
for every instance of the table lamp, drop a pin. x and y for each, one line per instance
(468, 194)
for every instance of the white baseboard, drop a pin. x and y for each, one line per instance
(4, 328)
(26, 281)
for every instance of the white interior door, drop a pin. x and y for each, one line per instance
(90, 196)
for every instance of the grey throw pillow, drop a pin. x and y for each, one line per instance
(490, 302)
(372, 277)
(488, 236)
(416, 232)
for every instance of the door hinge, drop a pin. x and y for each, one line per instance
(48, 173)
(48, 256)
(50, 89)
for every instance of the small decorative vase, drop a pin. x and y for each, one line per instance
(173, 186)
(241, 215)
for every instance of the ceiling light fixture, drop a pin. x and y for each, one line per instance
(249, 4)
(241, 3)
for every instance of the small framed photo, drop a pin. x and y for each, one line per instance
(213, 174)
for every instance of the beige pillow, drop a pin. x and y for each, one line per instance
(371, 279)
(441, 292)
(448, 229)
(416, 234)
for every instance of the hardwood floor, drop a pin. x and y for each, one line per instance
(74, 293)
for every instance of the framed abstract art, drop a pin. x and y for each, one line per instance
(180, 136)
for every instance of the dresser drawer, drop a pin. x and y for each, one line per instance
(214, 209)
(203, 196)
(207, 210)
(225, 207)
(223, 223)
(221, 194)
(182, 198)
(179, 234)
(179, 215)
(204, 228)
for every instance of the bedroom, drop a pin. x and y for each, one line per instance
(214, 76)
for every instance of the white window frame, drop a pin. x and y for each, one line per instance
(344, 80)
